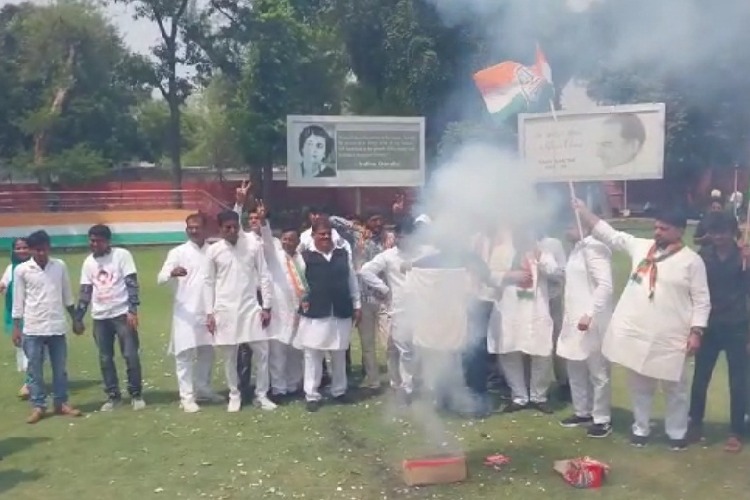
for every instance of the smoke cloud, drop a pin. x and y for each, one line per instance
(483, 185)
(677, 34)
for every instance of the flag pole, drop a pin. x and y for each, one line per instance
(571, 187)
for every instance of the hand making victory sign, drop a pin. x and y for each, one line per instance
(261, 211)
(241, 193)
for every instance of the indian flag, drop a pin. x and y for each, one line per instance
(510, 88)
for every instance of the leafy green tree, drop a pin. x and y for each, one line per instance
(173, 50)
(70, 88)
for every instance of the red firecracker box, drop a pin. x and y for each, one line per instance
(434, 470)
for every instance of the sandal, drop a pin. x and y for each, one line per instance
(733, 445)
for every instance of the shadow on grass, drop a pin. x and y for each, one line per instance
(11, 478)
(152, 398)
(80, 385)
(11, 445)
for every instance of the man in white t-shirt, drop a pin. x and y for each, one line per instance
(110, 284)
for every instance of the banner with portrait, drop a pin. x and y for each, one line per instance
(355, 151)
(603, 144)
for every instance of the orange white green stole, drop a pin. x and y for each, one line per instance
(647, 267)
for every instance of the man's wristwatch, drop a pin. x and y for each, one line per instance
(696, 331)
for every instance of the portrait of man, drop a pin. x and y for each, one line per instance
(316, 151)
(621, 140)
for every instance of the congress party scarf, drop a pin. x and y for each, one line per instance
(301, 288)
(647, 267)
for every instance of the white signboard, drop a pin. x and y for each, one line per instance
(602, 144)
(354, 151)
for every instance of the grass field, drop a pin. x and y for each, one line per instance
(339, 453)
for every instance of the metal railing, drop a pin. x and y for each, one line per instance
(87, 201)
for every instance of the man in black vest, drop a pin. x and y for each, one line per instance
(327, 313)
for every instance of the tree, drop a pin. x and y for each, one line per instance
(70, 86)
(171, 17)
(704, 88)
(408, 62)
(282, 60)
(215, 141)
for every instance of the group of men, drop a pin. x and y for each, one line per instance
(290, 303)
(42, 297)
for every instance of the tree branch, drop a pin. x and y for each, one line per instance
(160, 22)
(176, 18)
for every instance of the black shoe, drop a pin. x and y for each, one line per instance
(638, 441)
(344, 399)
(542, 407)
(599, 431)
(312, 406)
(513, 407)
(278, 399)
(678, 444)
(576, 421)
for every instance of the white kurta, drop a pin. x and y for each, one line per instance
(285, 299)
(555, 248)
(649, 335)
(188, 310)
(331, 333)
(588, 292)
(392, 265)
(524, 324)
(436, 307)
(497, 253)
(234, 275)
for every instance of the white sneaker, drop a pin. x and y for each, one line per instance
(190, 406)
(138, 404)
(264, 403)
(211, 397)
(110, 405)
(234, 405)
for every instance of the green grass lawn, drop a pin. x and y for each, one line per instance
(339, 453)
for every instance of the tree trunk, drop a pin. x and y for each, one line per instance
(175, 146)
(268, 182)
(41, 136)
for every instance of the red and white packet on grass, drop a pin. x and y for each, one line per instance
(583, 472)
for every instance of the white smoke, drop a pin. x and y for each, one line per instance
(677, 34)
(480, 185)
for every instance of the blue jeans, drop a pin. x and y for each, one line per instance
(105, 333)
(57, 346)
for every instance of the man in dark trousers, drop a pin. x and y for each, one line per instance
(729, 285)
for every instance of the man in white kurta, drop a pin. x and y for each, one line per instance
(556, 289)
(525, 325)
(588, 309)
(184, 271)
(236, 270)
(286, 267)
(331, 307)
(393, 264)
(658, 321)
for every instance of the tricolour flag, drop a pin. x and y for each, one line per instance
(510, 88)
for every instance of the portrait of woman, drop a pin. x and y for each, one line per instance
(316, 151)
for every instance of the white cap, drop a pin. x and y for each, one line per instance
(715, 193)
